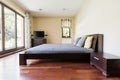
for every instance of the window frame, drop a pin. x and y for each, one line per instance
(23, 30)
(3, 32)
(69, 32)
(66, 26)
(14, 28)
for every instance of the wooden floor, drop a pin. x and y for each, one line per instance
(48, 70)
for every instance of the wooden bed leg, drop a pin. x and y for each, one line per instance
(22, 59)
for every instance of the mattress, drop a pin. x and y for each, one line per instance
(57, 48)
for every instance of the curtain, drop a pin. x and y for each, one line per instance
(66, 22)
(27, 30)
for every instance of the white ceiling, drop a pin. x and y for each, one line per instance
(51, 7)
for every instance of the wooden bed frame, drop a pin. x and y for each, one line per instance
(83, 57)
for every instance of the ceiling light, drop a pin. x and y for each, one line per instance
(64, 9)
(40, 9)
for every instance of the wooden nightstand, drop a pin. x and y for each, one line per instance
(108, 64)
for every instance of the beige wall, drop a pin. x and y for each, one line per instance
(51, 26)
(101, 16)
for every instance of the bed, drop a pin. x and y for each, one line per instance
(63, 51)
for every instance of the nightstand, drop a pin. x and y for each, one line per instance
(108, 64)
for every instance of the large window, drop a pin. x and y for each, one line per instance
(20, 36)
(0, 28)
(11, 29)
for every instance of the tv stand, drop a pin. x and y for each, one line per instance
(38, 41)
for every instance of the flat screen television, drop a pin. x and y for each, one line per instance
(39, 34)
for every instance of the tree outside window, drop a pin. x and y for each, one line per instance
(66, 32)
(9, 28)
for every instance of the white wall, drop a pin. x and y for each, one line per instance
(101, 16)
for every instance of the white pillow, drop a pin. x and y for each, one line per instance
(88, 42)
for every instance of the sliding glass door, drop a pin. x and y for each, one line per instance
(1, 28)
(9, 29)
(20, 32)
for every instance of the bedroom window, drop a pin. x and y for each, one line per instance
(9, 28)
(0, 28)
(66, 27)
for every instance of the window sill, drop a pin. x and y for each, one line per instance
(4, 54)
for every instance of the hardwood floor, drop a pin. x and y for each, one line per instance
(48, 70)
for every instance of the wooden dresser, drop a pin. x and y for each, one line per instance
(38, 41)
(108, 64)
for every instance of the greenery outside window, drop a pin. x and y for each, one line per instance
(66, 28)
(9, 29)
(65, 32)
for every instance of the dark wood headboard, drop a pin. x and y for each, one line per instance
(99, 45)
(97, 42)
